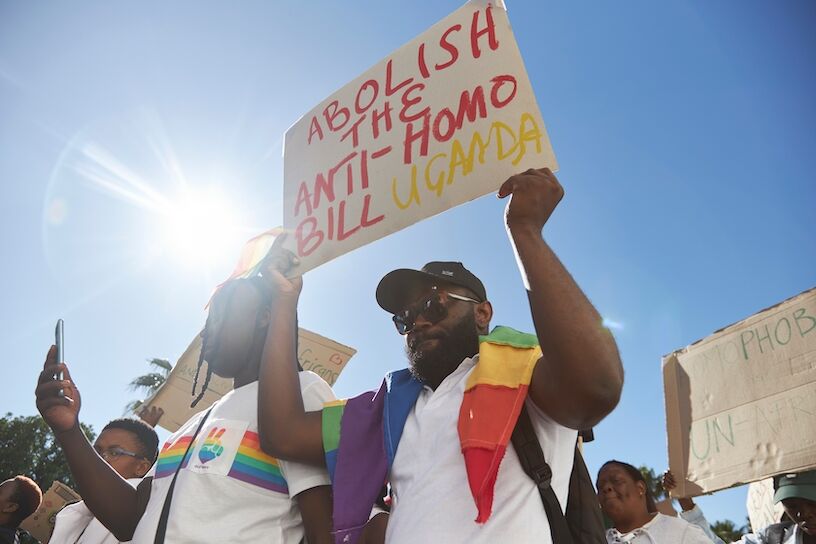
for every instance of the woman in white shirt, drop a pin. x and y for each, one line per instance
(626, 500)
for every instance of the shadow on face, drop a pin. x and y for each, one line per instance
(445, 331)
(7, 506)
(115, 446)
(233, 328)
(621, 497)
(803, 513)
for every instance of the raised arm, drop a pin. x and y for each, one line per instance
(112, 500)
(285, 429)
(578, 380)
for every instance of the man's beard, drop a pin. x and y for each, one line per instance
(432, 367)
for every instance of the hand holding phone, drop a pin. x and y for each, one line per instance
(59, 341)
(58, 398)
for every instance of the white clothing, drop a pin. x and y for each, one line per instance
(660, 530)
(75, 524)
(796, 536)
(695, 517)
(431, 497)
(228, 489)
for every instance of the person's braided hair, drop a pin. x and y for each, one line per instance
(220, 303)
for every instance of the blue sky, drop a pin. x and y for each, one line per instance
(684, 133)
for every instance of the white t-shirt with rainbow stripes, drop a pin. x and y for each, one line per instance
(228, 490)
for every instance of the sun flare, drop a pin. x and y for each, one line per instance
(200, 226)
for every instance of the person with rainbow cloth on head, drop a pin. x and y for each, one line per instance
(439, 431)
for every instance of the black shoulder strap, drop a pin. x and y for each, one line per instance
(165, 513)
(528, 449)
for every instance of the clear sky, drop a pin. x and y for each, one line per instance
(684, 132)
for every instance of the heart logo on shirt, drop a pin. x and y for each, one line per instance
(212, 447)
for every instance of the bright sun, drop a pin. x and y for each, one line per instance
(200, 226)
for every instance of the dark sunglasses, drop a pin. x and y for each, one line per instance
(433, 307)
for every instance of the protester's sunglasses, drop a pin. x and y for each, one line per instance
(434, 307)
(116, 452)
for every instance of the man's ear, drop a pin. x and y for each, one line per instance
(11, 507)
(483, 314)
(143, 468)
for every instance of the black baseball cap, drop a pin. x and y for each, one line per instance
(397, 284)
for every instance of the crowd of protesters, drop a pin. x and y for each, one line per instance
(280, 459)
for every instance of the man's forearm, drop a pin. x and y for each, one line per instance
(112, 499)
(580, 353)
(285, 429)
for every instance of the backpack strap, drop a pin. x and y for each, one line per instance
(529, 452)
(161, 529)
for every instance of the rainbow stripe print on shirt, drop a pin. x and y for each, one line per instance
(171, 455)
(253, 466)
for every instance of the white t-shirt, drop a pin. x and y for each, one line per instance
(75, 524)
(431, 496)
(661, 529)
(228, 490)
(695, 517)
(795, 536)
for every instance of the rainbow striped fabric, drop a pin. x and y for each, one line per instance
(332, 416)
(361, 435)
(253, 253)
(171, 455)
(360, 438)
(253, 466)
(494, 394)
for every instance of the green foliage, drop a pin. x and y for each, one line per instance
(149, 383)
(728, 531)
(654, 482)
(29, 448)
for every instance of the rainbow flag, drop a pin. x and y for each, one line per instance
(171, 456)
(253, 466)
(494, 394)
(361, 435)
(253, 253)
(360, 438)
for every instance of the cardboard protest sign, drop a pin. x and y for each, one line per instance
(741, 404)
(323, 356)
(761, 509)
(443, 120)
(40, 524)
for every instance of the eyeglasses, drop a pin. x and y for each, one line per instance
(433, 307)
(116, 452)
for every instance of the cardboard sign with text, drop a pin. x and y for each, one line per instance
(323, 356)
(741, 404)
(761, 509)
(40, 524)
(443, 120)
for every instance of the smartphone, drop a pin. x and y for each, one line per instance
(59, 340)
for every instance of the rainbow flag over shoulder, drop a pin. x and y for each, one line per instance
(361, 434)
(360, 438)
(494, 394)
